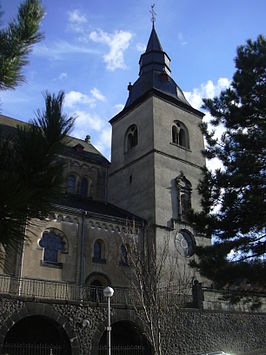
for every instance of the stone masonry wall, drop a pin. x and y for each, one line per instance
(187, 331)
(198, 331)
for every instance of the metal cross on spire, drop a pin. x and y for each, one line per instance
(153, 14)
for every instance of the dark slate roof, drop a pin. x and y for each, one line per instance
(8, 127)
(154, 43)
(160, 94)
(98, 208)
(86, 155)
(154, 74)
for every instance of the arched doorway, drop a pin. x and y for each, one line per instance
(126, 338)
(95, 283)
(38, 335)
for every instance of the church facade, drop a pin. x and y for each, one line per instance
(51, 289)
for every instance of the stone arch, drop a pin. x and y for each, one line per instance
(97, 279)
(41, 310)
(95, 283)
(127, 320)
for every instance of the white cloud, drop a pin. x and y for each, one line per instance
(76, 21)
(209, 90)
(75, 98)
(206, 90)
(61, 48)
(181, 39)
(97, 94)
(62, 76)
(86, 122)
(76, 17)
(141, 47)
(118, 108)
(213, 164)
(117, 43)
(103, 141)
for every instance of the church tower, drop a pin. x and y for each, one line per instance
(156, 155)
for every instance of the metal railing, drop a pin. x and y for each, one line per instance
(45, 289)
(55, 290)
(32, 349)
(123, 350)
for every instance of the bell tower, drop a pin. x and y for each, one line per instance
(156, 155)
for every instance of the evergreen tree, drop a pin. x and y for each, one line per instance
(233, 197)
(16, 43)
(31, 172)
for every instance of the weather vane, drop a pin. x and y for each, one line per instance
(153, 14)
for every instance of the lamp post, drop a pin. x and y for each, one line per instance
(108, 292)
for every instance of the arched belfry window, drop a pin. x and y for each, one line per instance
(183, 189)
(180, 134)
(131, 137)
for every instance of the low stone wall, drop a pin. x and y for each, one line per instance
(187, 331)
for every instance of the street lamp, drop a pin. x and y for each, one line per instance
(108, 292)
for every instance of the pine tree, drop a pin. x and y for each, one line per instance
(233, 197)
(16, 43)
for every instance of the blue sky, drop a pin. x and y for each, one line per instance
(91, 51)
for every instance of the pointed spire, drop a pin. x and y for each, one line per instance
(154, 72)
(154, 43)
(154, 57)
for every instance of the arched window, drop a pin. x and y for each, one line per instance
(180, 134)
(84, 187)
(95, 283)
(52, 242)
(98, 252)
(183, 188)
(131, 138)
(71, 184)
(123, 256)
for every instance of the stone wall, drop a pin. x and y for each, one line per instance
(198, 331)
(187, 331)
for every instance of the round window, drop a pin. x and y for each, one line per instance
(184, 243)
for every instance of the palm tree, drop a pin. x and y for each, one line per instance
(31, 170)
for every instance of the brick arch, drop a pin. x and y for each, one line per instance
(45, 310)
